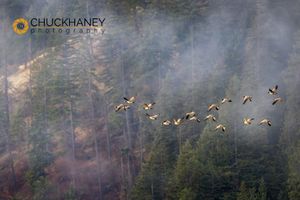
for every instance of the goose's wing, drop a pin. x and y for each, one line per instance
(209, 107)
(194, 118)
(263, 121)
(132, 98)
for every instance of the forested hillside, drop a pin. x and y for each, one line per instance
(61, 138)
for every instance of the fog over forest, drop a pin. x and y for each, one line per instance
(67, 132)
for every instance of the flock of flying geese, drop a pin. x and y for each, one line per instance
(192, 116)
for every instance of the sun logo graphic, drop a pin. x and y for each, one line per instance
(20, 26)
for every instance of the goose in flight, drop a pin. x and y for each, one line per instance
(279, 99)
(210, 117)
(190, 114)
(148, 106)
(166, 122)
(224, 100)
(220, 127)
(130, 100)
(213, 106)
(273, 91)
(152, 117)
(248, 121)
(178, 121)
(247, 98)
(122, 107)
(194, 118)
(265, 121)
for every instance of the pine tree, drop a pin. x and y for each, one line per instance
(262, 191)
(243, 193)
(40, 156)
(186, 175)
(294, 174)
(187, 194)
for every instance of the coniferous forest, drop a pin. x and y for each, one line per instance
(67, 133)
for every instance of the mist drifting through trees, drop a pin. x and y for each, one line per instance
(60, 137)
